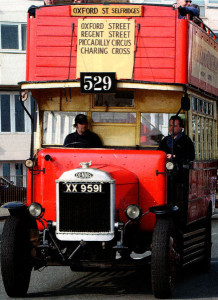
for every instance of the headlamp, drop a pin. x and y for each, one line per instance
(35, 210)
(133, 212)
(169, 165)
(29, 163)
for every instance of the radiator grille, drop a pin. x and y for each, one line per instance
(84, 212)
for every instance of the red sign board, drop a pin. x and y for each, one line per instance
(203, 61)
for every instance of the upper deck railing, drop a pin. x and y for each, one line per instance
(140, 43)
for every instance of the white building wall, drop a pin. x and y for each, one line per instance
(12, 68)
(16, 10)
(14, 147)
(211, 18)
(13, 64)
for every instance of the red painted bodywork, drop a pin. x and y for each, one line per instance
(202, 189)
(161, 51)
(133, 170)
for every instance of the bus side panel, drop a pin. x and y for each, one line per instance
(203, 60)
(144, 164)
(202, 189)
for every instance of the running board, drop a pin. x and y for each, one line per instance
(193, 246)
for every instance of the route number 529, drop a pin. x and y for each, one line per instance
(98, 82)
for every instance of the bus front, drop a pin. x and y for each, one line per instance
(124, 68)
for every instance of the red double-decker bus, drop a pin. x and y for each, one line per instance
(128, 68)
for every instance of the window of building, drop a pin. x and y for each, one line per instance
(13, 37)
(212, 2)
(6, 170)
(19, 115)
(12, 115)
(34, 112)
(201, 4)
(19, 174)
(14, 173)
(5, 113)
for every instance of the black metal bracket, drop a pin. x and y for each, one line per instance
(164, 173)
(35, 171)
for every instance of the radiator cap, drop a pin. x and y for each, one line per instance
(86, 164)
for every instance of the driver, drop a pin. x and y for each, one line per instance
(182, 145)
(82, 137)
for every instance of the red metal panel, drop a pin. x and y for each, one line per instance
(158, 75)
(157, 31)
(181, 60)
(54, 62)
(155, 52)
(50, 45)
(59, 31)
(157, 63)
(55, 51)
(156, 42)
(28, 50)
(32, 49)
(53, 41)
(54, 74)
(143, 164)
(158, 21)
(158, 11)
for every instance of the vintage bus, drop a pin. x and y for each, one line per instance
(128, 67)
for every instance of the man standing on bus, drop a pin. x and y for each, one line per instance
(49, 2)
(82, 137)
(183, 148)
(32, 8)
(185, 8)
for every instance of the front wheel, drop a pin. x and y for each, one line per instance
(164, 258)
(15, 257)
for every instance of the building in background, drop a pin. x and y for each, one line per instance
(208, 10)
(15, 125)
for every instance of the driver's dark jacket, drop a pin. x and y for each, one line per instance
(88, 140)
(183, 148)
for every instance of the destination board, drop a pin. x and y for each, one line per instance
(106, 10)
(106, 45)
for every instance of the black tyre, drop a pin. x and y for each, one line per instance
(15, 257)
(164, 258)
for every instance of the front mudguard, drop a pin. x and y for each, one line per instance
(16, 208)
(164, 210)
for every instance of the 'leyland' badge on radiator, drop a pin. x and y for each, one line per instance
(83, 175)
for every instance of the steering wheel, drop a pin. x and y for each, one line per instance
(76, 145)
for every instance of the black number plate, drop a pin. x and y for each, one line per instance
(83, 187)
(98, 83)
